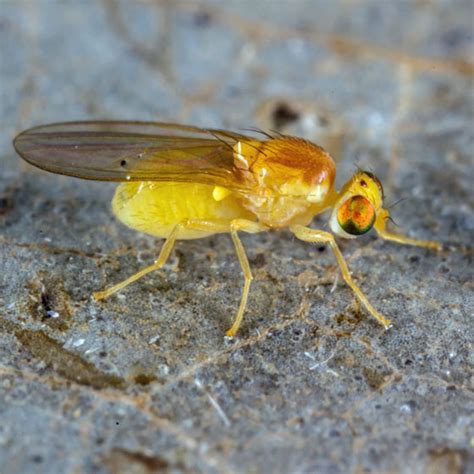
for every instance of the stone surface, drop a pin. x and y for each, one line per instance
(146, 382)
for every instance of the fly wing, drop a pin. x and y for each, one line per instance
(134, 151)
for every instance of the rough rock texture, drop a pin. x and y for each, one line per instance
(146, 381)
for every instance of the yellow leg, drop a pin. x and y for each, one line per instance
(159, 262)
(209, 226)
(250, 227)
(401, 239)
(319, 236)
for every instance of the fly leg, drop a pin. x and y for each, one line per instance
(244, 225)
(401, 239)
(195, 224)
(159, 262)
(319, 236)
(210, 226)
(252, 228)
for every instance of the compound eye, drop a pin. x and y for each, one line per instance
(356, 216)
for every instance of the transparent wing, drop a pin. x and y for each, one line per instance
(134, 151)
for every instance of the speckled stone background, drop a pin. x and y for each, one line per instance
(146, 382)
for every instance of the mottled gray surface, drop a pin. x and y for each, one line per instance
(146, 382)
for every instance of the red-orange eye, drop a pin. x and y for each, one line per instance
(356, 216)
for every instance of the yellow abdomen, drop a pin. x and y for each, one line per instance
(156, 208)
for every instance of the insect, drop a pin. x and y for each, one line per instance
(184, 182)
